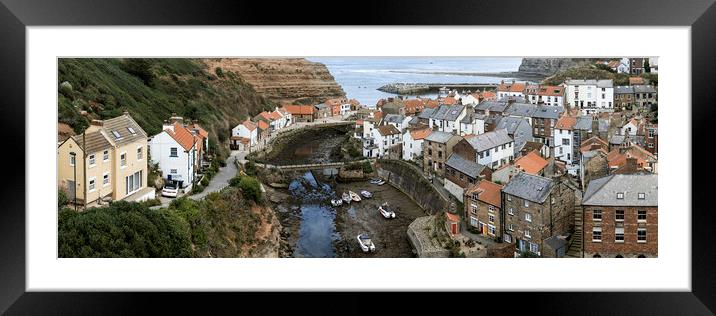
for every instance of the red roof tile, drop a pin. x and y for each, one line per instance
(488, 192)
(182, 136)
(531, 163)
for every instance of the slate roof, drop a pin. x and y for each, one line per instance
(603, 191)
(623, 90)
(394, 118)
(584, 123)
(426, 113)
(439, 137)
(121, 125)
(534, 110)
(518, 127)
(489, 140)
(644, 89)
(468, 167)
(529, 187)
(386, 130)
(493, 106)
(603, 83)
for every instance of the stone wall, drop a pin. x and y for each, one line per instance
(419, 236)
(410, 180)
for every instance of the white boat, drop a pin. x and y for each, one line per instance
(354, 196)
(346, 198)
(386, 211)
(366, 194)
(337, 202)
(377, 181)
(365, 243)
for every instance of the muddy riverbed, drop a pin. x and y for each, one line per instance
(310, 146)
(314, 228)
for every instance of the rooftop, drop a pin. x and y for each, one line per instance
(530, 187)
(439, 137)
(488, 192)
(490, 140)
(468, 167)
(623, 190)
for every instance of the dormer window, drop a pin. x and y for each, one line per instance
(116, 134)
(642, 196)
(620, 195)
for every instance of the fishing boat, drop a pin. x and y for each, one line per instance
(336, 202)
(377, 181)
(365, 243)
(346, 198)
(366, 194)
(386, 211)
(354, 196)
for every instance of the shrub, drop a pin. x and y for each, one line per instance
(198, 188)
(250, 168)
(62, 198)
(205, 181)
(367, 168)
(251, 188)
(234, 182)
(219, 72)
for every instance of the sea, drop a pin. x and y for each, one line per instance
(360, 77)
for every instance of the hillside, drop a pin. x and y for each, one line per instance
(151, 90)
(283, 79)
(551, 66)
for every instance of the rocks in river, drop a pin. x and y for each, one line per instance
(404, 88)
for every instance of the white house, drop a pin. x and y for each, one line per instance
(513, 89)
(285, 119)
(564, 142)
(469, 99)
(547, 95)
(174, 151)
(472, 124)
(413, 143)
(384, 138)
(446, 118)
(400, 122)
(493, 149)
(590, 95)
(244, 135)
(630, 128)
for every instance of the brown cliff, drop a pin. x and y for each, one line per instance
(282, 79)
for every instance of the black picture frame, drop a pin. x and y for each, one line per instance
(700, 15)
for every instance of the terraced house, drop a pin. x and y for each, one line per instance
(621, 216)
(107, 162)
(538, 213)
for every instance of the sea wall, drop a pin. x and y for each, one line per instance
(410, 180)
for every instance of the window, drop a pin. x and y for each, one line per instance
(641, 235)
(527, 203)
(528, 217)
(619, 234)
(133, 182)
(642, 196)
(509, 211)
(534, 248)
(565, 141)
(509, 198)
(620, 195)
(92, 160)
(597, 215)
(116, 135)
(473, 221)
(527, 233)
(596, 234)
(105, 156)
(91, 186)
(140, 154)
(619, 215)
(491, 229)
(511, 227)
(123, 159)
(72, 160)
(131, 130)
(507, 238)
(173, 171)
(641, 215)
(173, 152)
(105, 179)
(491, 218)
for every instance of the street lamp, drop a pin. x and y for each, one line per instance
(74, 190)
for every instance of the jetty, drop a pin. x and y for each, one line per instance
(417, 88)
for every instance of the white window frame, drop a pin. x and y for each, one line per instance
(108, 179)
(474, 221)
(527, 233)
(637, 216)
(533, 247)
(510, 211)
(491, 229)
(92, 160)
(92, 184)
(616, 213)
(73, 160)
(637, 235)
(140, 153)
(594, 230)
(527, 203)
(594, 213)
(105, 155)
(123, 161)
(490, 218)
(620, 195)
(511, 227)
(173, 149)
(528, 217)
(616, 232)
(507, 238)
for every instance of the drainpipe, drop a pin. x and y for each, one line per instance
(84, 168)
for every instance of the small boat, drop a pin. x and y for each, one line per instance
(386, 211)
(346, 198)
(366, 194)
(365, 243)
(377, 181)
(354, 196)
(337, 202)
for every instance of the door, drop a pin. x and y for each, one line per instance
(454, 228)
(71, 187)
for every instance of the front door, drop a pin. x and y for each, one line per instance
(454, 228)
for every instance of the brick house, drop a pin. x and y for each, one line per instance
(437, 148)
(535, 209)
(483, 208)
(620, 216)
(651, 140)
(461, 173)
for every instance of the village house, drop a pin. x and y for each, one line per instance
(437, 147)
(645, 96)
(624, 97)
(414, 106)
(644, 160)
(492, 108)
(322, 111)
(590, 95)
(201, 137)
(513, 89)
(537, 147)
(472, 123)
(461, 173)
(517, 128)
(621, 217)
(546, 95)
(652, 138)
(301, 113)
(636, 66)
(385, 139)
(564, 141)
(537, 209)
(413, 143)
(393, 106)
(446, 118)
(483, 208)
(492, 149)
(244, 135)
(400, 122)
(174, 151)
(107, 162)
(531, 163)
(541, 118)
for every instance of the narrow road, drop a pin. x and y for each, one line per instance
(221, 178)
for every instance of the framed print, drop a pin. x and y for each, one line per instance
(493, 152)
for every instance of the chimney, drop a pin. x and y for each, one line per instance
(168, 126)
(125, 112)
(97, 123)
(631, 164)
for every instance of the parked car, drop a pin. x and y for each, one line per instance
(170, 190)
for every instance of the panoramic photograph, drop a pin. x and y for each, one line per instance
(357, 157)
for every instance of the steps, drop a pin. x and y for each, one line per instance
(575, 247)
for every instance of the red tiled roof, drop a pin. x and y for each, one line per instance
(263, 125)
(420, 133)
(531, 163)
(511, 87)
(452, 217)
(636, 80)
(552, 91)
(249, 125)
(449, 101)
(182, 135)
(488, 95)
(388, 130)
(377, 115)
(199, 130)
(430, 103)
(299, 109)
(566, 122)
(489, 192)
(275, 115)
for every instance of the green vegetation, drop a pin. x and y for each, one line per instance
(151, 90)
(122, 229)
(250, 187)
(367, 168)
(62, 198)
(528, 254)
(652, 78)
(197, 188)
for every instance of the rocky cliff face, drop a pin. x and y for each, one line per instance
(283, 79)
(551, 66)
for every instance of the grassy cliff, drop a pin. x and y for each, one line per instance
(151, 90)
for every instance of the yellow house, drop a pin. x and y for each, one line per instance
(107, 161)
